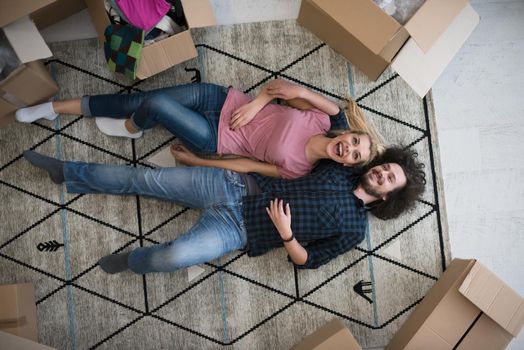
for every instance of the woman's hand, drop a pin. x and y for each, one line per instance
(283, 89)
(281, 217)
(185, 156)
(243, 115)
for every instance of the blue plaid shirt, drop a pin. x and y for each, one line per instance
(326, 217)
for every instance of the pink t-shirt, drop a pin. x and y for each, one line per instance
(277, 135)
(143, 14)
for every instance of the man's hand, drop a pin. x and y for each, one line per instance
(281, 217)
(285, 90)
(185, 156)
(243, 115)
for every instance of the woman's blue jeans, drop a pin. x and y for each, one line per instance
(219, 230)
(190, 112)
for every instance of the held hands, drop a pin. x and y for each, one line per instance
(185, 156)
(283, 89)
(281, 217)
(243, 115)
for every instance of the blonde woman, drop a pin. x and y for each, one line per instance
(273, 140)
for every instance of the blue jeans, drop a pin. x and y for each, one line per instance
(219, 230)
(190, 112)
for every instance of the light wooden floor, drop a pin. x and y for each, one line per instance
(479, 102)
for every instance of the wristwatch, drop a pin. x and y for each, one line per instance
(289, 239)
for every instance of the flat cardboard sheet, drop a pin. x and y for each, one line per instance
(12, 342)
(420, 70)
(18, 310)
(495, 298)
(26, 40)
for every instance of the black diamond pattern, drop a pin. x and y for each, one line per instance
(144, 305)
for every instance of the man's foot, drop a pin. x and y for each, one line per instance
(30, 114)
(53, 166)
(114, 263)
(115, 127)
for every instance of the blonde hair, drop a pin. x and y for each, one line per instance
(357, 121)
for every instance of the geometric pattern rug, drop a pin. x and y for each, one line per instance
(54, 239)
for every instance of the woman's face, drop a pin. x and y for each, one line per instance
(349, 149)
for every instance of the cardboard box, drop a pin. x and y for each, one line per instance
(31, 82)
(372, 40)
(333, 335)
(42, 12)
(166, 53)
(469, 308)
(12, 342)
(18, 310)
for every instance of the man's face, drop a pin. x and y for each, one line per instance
(383, 179)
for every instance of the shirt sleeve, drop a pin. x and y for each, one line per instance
(339, 121)
(322, 251)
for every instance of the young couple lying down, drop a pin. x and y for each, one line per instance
(296, 183)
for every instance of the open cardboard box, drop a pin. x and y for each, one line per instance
(18, 310)
(42, 12)
(333, 335)
(166, 53)
(372, 40)
(31, 82)
(469, 308)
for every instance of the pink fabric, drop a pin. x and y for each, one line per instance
(143, 14)
(277, 135)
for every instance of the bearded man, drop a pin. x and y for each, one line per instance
(315, 218)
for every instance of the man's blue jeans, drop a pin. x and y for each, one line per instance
(190, 112)
(219, 230)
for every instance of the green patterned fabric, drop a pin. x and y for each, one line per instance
(123, 48)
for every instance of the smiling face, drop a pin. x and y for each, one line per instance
(349, 149)
(383, 179)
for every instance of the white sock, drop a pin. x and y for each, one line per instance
(30, 114)
(115, 127)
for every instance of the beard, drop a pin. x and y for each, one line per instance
(368, 187)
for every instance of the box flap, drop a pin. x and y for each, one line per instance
(166, 53)
(26, 40)
(432, 19)
(420, 70)
(198, 13)
(56, 12)
(11, 10)
(333, 335)
(99, 17)
(494, 297)
(356, 16)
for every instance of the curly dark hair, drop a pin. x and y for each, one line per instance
(404, 198)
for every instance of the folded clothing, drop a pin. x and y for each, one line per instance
(143, 14)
